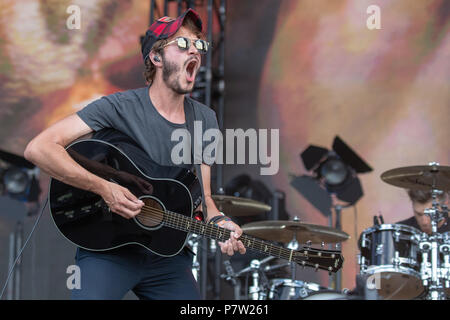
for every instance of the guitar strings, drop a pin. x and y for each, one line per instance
(193, 222)
(160, 218)
(151, 214)
(157, 215)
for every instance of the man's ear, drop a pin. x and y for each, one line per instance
(155, 58)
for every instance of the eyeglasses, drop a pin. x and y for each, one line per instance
(185, 43)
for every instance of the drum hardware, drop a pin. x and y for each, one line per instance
(287, 232)
(233, 207)
(362, 263)
(257, 291)
(286, 289)
(275, 267)
(434, 272)
(213, 246)
(231, 276)
(293, 244)
(434, 267)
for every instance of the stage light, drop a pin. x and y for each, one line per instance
(15, 181)
(333, 171)
(336, 170)
(19, 178)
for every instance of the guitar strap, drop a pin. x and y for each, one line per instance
(190, 118)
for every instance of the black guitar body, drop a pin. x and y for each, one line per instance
(85, 219)
(170, 194)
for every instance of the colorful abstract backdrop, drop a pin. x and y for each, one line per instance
(310, 68)
(385, 92)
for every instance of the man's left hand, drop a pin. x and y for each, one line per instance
(232, 244)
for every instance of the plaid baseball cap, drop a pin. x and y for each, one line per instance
(166, 27)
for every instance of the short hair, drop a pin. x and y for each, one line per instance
(158, 46)
(421, 196)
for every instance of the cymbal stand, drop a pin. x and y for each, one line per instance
(258, 290)
(336, 279)
(231, 276)
(255, 291)
(293, 245)
(433, 276)
(259, 280)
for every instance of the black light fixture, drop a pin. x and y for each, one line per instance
(337, 169)
(19, 178)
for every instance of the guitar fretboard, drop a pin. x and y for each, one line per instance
(211, 231)
(320, 259)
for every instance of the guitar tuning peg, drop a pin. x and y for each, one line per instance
(322, 245)
(338, 246)
(309, 243)
(303, 264)
(316, 266)
(330, 268)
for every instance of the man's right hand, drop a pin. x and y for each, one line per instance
(121, 201)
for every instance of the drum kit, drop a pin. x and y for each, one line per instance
(405, 262)
(291, 234)
(397, 261)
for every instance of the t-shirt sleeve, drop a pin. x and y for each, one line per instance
(101, 113)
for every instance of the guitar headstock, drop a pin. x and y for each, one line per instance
(328, 260)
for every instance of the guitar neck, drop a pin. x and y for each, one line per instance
(215, 232)
(211, 231)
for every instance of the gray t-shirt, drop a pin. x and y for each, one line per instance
(132, 112)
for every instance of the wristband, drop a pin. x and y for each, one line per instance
(216, 219)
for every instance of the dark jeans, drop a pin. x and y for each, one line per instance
(111, 274)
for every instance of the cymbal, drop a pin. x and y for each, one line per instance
(419, 177)
(236, 206)
(284, 231)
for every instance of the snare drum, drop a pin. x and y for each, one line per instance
(390, 253)
(286, 289)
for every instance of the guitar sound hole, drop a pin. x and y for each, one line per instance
(151, 214)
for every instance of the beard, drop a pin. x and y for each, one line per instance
(171, 77)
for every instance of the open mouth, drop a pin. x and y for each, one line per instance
(191, 69)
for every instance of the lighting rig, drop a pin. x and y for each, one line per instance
(333, 180)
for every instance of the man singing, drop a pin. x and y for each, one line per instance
(171, 50)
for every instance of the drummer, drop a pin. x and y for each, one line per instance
(422, 200)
